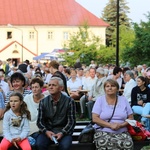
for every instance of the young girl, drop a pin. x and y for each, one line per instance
(16, 123)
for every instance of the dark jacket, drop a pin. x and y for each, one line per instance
(61, 121)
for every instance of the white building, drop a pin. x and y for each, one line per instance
(31, 27)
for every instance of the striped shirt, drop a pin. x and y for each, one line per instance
(25, 92)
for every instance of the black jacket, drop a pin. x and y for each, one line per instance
(137, 95)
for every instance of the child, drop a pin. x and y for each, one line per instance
(16, 123)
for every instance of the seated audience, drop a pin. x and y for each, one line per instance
(87, 85)
(16, 124)
(74, 85)
(3, 85)
(54, 65)
(130, 84)
(18, 83)
(56, 117)
(96, 91)
(109, 114)
(140, 100)
(32, 100)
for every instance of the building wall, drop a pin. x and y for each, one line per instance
(35, 39)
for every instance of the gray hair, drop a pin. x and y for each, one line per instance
(130, 73)
(60, 81)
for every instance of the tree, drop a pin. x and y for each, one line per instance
(106, 55)
(140, 51)
(110, 15)
(126, 38)
(82, 45)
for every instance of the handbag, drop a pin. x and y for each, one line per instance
(87, 134)
(137, 130)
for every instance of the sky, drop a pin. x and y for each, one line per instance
(137, 8)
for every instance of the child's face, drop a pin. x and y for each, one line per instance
(15, 103)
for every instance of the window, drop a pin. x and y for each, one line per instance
(66, 36)
(9, 35)
(50, 35)
(31, 35)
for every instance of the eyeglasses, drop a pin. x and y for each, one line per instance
(52, 85)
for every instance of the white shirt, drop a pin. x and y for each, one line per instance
(74, 86)
(128, 88)
(88, 83)
(33, 108)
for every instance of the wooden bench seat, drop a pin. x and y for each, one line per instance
(89, 146)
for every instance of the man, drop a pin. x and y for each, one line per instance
(7, 67)
(54, 65)
(56, 117)
(87, 85)
(97, 90)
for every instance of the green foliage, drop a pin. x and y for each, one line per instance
(82, 45)
(110, 15)
(140, 51)
(106, 55)
(126, 38)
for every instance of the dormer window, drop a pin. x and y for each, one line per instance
(9, 35)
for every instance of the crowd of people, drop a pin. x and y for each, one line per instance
(37, 100)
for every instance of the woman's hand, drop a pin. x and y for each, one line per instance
(115, 126)
(140, 102)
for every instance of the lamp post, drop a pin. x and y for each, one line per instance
(10, 25)
(117, 35)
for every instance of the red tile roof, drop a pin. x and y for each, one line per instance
(46, 12)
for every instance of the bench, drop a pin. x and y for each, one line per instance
(75, 145)
(89, 146)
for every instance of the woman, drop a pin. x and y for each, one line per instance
(32, 100)
(140, 100)
(111, 130)
(18, 83)
(74, 85)
(130, 84)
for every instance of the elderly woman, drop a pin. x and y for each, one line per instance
(109, 115)
(130, 84)
(32, 100)
(140, 100)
